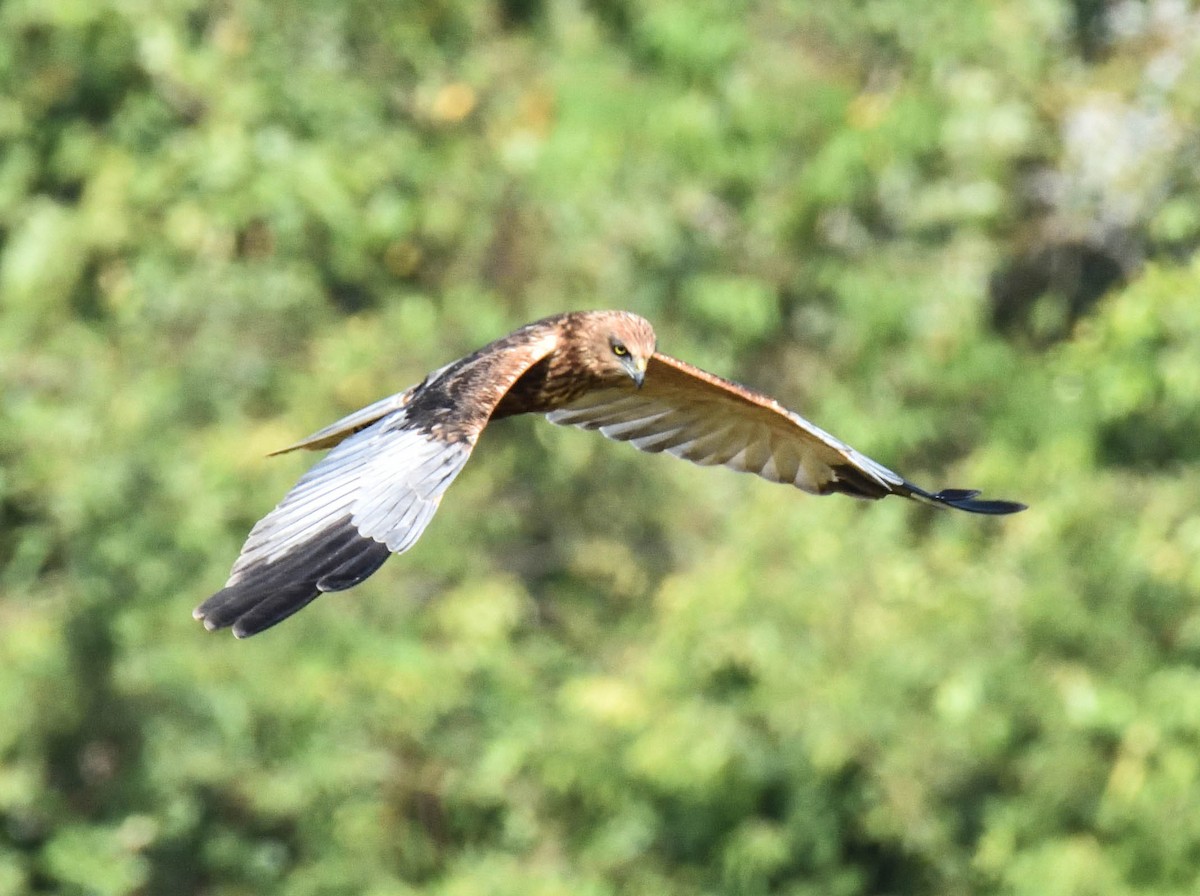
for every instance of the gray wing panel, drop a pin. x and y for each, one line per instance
(388, 479)
(371, 496)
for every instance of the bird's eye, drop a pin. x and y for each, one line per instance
(619, 349)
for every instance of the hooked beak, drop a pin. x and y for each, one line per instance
(637, 371)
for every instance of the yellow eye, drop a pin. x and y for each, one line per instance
(619, 349)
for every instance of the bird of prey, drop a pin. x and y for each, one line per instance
(373, 495)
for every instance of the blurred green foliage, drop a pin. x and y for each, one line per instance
(960, 235)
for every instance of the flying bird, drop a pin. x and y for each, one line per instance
(373, 495)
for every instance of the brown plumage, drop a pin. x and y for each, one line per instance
(376, 491)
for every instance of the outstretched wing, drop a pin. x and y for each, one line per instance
(358, 421)
(692, 414)
(335, 433)
(373, 494)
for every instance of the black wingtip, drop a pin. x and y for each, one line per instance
(264, 595)
(964, 499)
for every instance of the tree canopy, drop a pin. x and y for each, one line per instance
(960, 236)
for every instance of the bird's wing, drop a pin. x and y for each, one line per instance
(692, 414)
(338, 432)
(371, 496)
(334, 433)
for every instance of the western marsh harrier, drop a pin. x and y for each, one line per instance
(373, 495)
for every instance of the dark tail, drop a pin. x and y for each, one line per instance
(963, 499)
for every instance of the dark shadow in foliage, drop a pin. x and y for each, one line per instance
(95, 762)
(521, 13)
(29, 545)
(730, 680)
(832, 835)
(85, 297)
(883, 865)
(180, 864)
(1151, 439)
(614, 15)
(347, 295)
(1091, 27)
(1040, 293)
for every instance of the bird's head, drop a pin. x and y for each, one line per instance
(619, 345)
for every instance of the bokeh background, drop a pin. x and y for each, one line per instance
(960, 235)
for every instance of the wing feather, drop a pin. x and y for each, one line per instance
(373, 494)
(712, 447)
(336, 432)
(702, 418)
